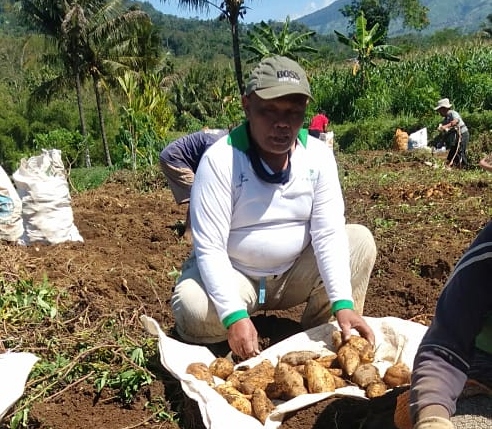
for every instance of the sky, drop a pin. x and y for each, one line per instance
(265, 10)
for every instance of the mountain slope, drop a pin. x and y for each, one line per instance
(466, 15)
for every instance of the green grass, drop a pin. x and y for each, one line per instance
(84, 179)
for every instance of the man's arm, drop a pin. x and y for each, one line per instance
(444, 355)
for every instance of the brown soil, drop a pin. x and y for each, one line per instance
(132, 244)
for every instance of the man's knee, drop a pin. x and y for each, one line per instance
(361, 243)
(362, 258)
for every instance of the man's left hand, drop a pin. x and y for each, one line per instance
(348, 319)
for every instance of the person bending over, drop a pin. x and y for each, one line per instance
(179, 161)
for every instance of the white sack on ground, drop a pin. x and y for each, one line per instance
(11, 227)
(328, 137)
(397, 340)
(46, 203)
(14, 370)
(418, 139)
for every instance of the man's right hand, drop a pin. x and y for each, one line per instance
(243, 339)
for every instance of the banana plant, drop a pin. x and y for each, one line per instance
(265, 42)
(365, 43)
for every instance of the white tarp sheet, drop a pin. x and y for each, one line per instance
(14, 370)
(397, 340)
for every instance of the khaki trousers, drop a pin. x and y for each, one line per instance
(179, 181)
(196, 318)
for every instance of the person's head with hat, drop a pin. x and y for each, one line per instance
(275, 101)
(443, 106)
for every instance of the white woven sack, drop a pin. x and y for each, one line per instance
(418, 139)
(46, 203)
(11, 227)
(328, 137)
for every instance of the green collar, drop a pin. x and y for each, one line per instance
(238, 137)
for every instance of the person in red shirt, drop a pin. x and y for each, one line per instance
(319, 124)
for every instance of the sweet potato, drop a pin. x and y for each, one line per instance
(397, 375)
(264, 369)
(336, 339)
(273, 391)
(233, 379)
(318, 378)
(221, 367)
(289, 381)
(338, 372)
(227, 389)
(298, 358)
(256, 381)
(201, 372)
(300, 369)
(262, 406)
(258, 376)
(235, 398)
(364, 347)
(375, 389)
(360, 343)
(327, 360)
(365, 374)
(339, 381)
(348, 358)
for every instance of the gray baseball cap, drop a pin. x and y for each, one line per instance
(277, 76)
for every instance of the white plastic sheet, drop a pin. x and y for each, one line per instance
(14, 370)
(397, 340)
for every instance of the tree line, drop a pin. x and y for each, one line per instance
(100, 80)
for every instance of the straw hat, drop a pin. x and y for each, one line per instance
(444, 102)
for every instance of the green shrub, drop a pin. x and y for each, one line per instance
(71, 144)
(83, 179)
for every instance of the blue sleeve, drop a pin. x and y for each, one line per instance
(445, 353)
(187, 151)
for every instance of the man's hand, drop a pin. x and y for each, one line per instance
(434, 423)
(243, 339)
(349, 319)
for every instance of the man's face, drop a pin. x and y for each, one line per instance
(275, 123)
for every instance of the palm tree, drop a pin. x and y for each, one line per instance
(50, 18)
(94, 38)
(110, 48)
(365, 43)
(232, 11)
(265, 42)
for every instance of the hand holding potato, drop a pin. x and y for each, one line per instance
(348, 319)
(243, 339)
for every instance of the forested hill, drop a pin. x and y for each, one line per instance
(202, 40)
(466, 15)
(209, 40)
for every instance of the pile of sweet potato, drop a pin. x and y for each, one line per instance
(251, 390)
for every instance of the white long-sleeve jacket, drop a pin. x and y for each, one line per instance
(259, 228)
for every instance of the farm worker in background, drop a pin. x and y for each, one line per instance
(455, 132)
(458, 343)
(319, 124)
(268, 225)
(179, 161)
